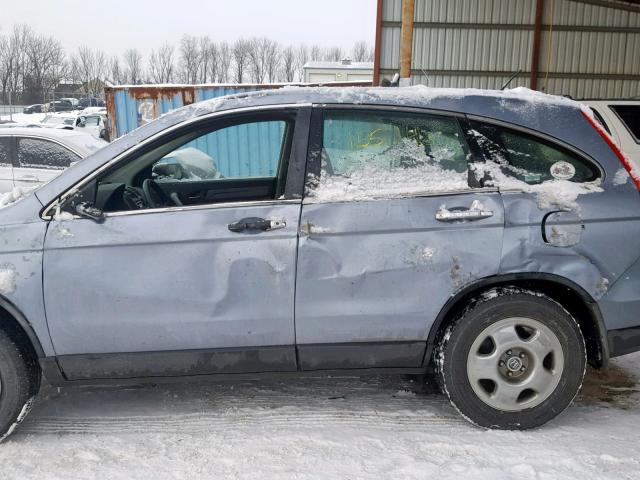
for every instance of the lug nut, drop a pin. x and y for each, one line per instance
(522, 369)
(508, 352)
(510, 374)
(501, 363)
(522, 355)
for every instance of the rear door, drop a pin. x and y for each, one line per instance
(40, 160)
(391, 228)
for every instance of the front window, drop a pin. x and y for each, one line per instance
(238, 162)
(381, 154)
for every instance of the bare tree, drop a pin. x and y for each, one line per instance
(116, 75)
(240, 52)
(315, 53)
(272, 52)
(302, 57)
(361, 52)
(224, 62)
(333, 54)
(45, 66)
(288, 64)
(264, 57)
(190, 59)
(89, 68)
(209, 60)
(161, 64)
(13, 57)
(133, 65)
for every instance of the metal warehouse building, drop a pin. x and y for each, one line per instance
(582, 48)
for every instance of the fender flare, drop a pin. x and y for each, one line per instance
(488, 282)
(24, 324)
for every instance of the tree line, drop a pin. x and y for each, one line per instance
(33, 65)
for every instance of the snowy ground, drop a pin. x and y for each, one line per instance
(24, 117)
(375, 428)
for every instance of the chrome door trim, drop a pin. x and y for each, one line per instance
(46, 213)
(310, 201)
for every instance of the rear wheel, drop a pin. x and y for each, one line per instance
(514, 360)
(19, 383)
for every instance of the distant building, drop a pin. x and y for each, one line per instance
(343, 71)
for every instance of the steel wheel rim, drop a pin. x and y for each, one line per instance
(515, 364)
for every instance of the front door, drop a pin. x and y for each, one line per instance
(391, 228)
(192, 270)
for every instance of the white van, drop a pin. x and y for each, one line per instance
(621, 118)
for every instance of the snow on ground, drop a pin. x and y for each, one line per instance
(349, 428)
(24, 117)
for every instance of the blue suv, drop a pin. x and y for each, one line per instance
(489, 237)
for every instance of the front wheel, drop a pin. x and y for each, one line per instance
(514, 360)
(19, 383)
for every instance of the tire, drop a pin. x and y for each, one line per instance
(19, 383)
(513, 360)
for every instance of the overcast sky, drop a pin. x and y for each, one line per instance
(115, 25)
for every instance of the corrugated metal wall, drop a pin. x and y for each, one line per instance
(589, 49)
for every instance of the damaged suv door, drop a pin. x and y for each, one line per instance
(167, 275)
(391, 227)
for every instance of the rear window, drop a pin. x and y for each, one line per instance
(630, 116)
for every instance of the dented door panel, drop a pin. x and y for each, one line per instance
(171, 281)
(380, 271)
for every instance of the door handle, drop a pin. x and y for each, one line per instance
(476, 211)
(256, 225)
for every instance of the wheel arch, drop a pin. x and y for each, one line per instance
(14, 321)
(567, 293)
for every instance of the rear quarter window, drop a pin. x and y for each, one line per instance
(531, 159)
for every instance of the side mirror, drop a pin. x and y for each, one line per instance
(89, 211)
(82, 122)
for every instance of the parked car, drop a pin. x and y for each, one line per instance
(480, 234)
(89, 102)
(94, 124)
(60, 106)
(37, 108)
(60, 120)
(621, 119)
(32, 156)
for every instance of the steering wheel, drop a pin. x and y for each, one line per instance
(155, 196)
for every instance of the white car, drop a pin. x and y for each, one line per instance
(94, 124)
(31, 156)
(621, 118)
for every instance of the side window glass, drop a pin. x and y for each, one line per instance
(630, 116)
(529, 159)
(379, 154)
(5, 152)
(250, 150)
(238, 162)
(38, 153)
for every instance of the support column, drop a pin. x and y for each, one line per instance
(406, 41)
(535, 55)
